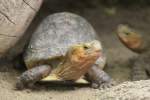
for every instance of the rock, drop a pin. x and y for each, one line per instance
(15, 17)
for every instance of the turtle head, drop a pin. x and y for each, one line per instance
(90, 50)
(130, 38)
(79, 59)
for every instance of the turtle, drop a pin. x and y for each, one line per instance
(139, 44)
(59, 38)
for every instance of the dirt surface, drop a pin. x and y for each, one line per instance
(105, 21)
(138, 90)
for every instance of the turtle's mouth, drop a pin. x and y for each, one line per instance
(95, 54)
(122, 38)
(98, 53)
(132, 42)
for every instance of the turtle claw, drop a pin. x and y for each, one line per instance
(107, 85)
(103, 85)
(139, 77)
(31, 86)
(94, 85)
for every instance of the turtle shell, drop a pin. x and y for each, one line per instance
(54, 35)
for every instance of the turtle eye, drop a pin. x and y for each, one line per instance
(127, 33)
(85, 47)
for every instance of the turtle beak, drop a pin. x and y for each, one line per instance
(96, 45)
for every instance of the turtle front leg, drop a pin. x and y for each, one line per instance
(31, 76)
(99, 78)
(139, 69)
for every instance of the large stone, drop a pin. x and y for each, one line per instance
(15, 17)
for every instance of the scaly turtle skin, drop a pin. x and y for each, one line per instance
(138, 44)
(50, 43)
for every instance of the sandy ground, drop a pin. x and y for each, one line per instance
(105, 21)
